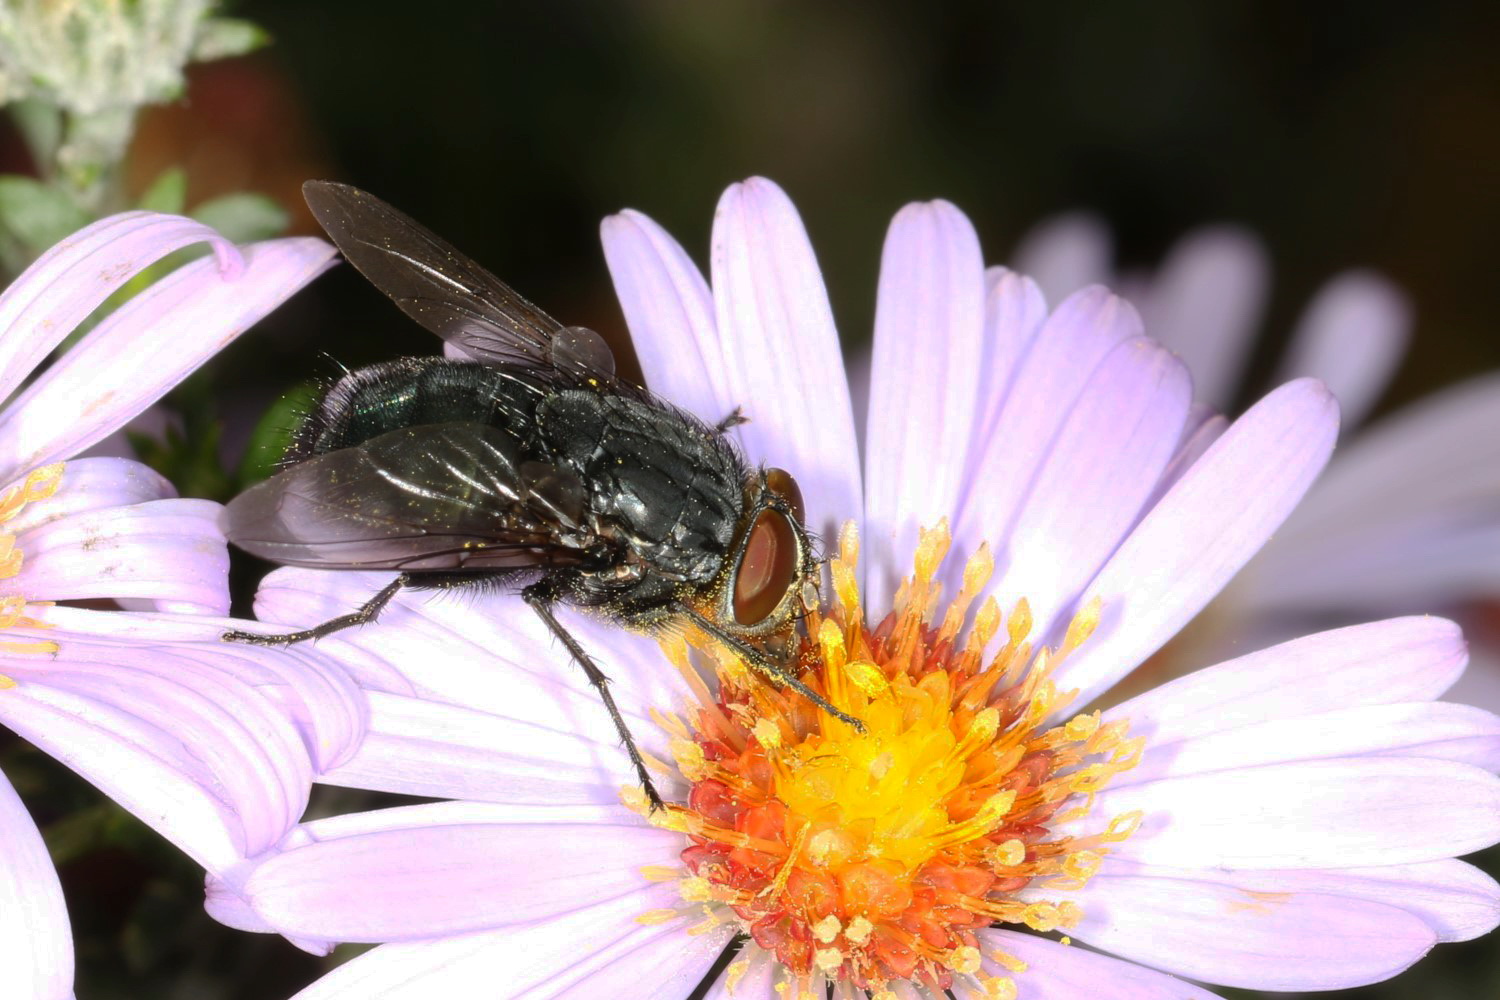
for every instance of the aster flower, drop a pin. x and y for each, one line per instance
(199, 740)
(1403, 521)
(1232, 827)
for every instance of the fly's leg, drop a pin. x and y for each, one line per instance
(542, 596)
(365, 613)
(767, 666)
(735, 418)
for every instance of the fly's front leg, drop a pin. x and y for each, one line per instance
(542, 596)
(767, 666)
(365, 613)
(735, 418)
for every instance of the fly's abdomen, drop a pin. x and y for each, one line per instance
(411, 392)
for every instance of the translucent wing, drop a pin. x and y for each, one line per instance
(446, 291)
(456, 496)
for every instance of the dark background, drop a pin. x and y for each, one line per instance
(1343, 133)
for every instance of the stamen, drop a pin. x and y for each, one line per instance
(38, 485)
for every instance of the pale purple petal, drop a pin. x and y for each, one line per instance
(1446, 443)
(1352, 336)
(487, 652)
(1078, 335)
(1227, 935)
(1061, 972)
(73, 278)
(1381, 663)
(302, 682)
(1201, 533)
(89, 484)
(1435, 730)
(1107, 457)
(1205, 303)
(147, 346)
(1309, 814)
(1066, 253)
(929, 324)
(1202, 429)
(1014, 311)
(1458, 901)
(207, 762)
(420, 747)
(169, 552)
(670, 312)
(757, 982)
(598, 951)
(781, 350)
(446, 870)
(36, 942)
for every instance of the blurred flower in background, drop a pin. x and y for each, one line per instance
(1407, 516)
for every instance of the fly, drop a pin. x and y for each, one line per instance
(531, 466)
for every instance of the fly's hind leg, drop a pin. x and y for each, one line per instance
(542, 596)
(365, 613)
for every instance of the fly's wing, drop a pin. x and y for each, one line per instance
(457, 496)
(447, 292)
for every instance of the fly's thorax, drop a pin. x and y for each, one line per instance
(663, 486)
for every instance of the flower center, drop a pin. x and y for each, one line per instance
(873, 858)
(39, 485)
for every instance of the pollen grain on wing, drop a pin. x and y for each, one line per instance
(872, 859)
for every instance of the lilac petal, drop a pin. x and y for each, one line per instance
(1456, 900)
(89, 484)
(489, 652)
(1066, 253)
(1202, 429)
(670, 312)
(1434, 730)
(147, 346)
(1227, 935)
(1014, 311)
(210, 764)
(36, 942)
(305, 685)
(1076, 338)
(1203, 531)
(758, 981)
(1352, 336)
(1403, 659)
(456, 874)
(170, 552)
(929, 324)
(420, 747)
(1205, 303)
(600, 951)
(781, 350)
(1308, 814)
(1056, 971)
(1445, 442)
(1108, 455)
(72, 279)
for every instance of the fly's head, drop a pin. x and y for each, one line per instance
(772, 567)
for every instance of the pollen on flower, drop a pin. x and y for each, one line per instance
(872, 860)
(39, 485)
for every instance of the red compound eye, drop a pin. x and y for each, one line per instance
(767, 569)
(780, 482)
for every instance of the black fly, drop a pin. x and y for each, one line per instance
(532, 465)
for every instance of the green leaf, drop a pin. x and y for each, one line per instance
(269, 440)
(223, 37)
(168, 193)
(36, 215)
(243, 217)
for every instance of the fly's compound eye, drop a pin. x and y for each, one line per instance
(780, 482)
(767, 568)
